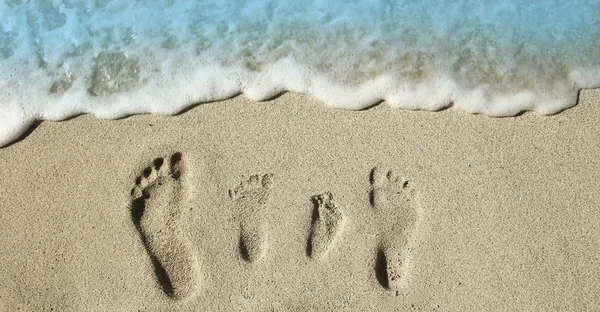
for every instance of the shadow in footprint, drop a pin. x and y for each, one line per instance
(313, 219)
(137, 211)
(381, 269)
(244, 250)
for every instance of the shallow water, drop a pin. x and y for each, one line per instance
(115, 58)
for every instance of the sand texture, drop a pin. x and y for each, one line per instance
(288, 205)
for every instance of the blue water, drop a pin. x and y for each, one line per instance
(114, 58)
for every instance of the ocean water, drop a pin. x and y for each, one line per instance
(112, 58)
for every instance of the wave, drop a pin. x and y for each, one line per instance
(117, 58)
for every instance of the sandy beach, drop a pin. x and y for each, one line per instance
(289, 205)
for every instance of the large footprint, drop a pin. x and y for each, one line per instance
(250, 199)
(157, 213)
(397, 214)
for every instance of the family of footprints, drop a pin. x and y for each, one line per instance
(158, 214)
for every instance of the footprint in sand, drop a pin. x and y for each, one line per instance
(327, 223)
(249, 200)
(397, 214)
(157, 213)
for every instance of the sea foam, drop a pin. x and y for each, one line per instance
(117, 58)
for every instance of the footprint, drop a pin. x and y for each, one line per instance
(250, 199)
(327, 223)
(157, 213)
(397, 214)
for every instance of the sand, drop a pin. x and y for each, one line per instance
(288, 205)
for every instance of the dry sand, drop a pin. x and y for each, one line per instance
(288, 205)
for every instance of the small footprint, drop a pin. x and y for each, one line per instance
(250, 199)
(397, 214)
(157, 213)
(327, 223)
